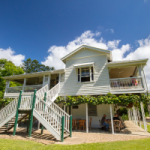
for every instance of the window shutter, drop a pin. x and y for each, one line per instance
(92, 74)
(78, 74)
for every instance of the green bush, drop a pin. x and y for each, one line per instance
(4, 102)
(125, 117)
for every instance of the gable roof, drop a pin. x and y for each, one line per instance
(107, 52)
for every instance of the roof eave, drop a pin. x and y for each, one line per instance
(128, 63)
(35, 74)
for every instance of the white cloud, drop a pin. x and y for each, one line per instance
(9, 54)
(112, 31)
(92, 39)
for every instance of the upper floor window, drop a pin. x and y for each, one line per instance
(85, 74)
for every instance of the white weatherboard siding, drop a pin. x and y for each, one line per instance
(101, 110)
(101, 75)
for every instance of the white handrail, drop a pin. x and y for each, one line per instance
(53, 113)
(40, 93)
(49, 115)
(52, 94)
(8, 110)
(27, 100)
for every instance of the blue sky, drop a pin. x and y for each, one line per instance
(31, 28)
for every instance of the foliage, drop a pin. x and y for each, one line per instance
(122, 111)
(12, 144)
(30, 66)
(7, 68)
(125, 117)
(4, 102)
(103, 99)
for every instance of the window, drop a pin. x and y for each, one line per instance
(85, 74)
(92, 110)
(75, 107)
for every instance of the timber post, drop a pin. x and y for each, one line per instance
(17, 112)
(71, 126)
(43, 112)
(31, 117)
(62, 128)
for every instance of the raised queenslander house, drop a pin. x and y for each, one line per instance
(89, 71)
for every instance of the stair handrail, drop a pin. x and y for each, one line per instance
(62, 113)
(41, 91)
(9, 108)
(53, 93)
(39, 107)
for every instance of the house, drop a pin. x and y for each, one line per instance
(89, 71)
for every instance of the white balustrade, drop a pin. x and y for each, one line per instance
(16, 89)
(49, 115)
(126, 83)
(26, 102)
(27, 98)
(52, 94)
(8, 110)
(61, 112)
(40, 93)
(31, 88)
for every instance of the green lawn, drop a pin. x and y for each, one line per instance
(142, 144)
(148, 128)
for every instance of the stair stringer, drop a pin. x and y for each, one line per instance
(46, 125)
(8, 118)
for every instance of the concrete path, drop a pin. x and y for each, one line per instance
(133, 129)
(131, 132)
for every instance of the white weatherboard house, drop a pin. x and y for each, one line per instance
(89, 71)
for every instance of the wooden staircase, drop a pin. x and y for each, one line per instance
(50, 115)
(10, 124)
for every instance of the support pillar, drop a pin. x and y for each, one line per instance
(62, 128)
(143, 116)
(17, 113)
(31, 120)
(7, 86)
(24, 84)
(87, 123)
(49, 81)
(44, 112)
(71, 126)
(129, 114)
(111, 115)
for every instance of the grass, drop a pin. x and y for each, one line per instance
(148, 127)
(10, 144)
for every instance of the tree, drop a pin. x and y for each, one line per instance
(7, 68)
(30, 66)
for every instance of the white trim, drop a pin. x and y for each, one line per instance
(85, 57)
(84, 65)
(35, 74)
(87, 123)
(126, 63)
(24, 84)
(89, 47)
(112, 125)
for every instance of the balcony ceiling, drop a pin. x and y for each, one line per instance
(122, 72)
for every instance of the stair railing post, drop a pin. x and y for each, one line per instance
(17, 112)
(28, 124)
(62, 128)
(71, 126)
(31, 117)
(43, 112)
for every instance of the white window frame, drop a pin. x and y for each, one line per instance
(90, 69)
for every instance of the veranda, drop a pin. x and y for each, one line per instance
(92, 114)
